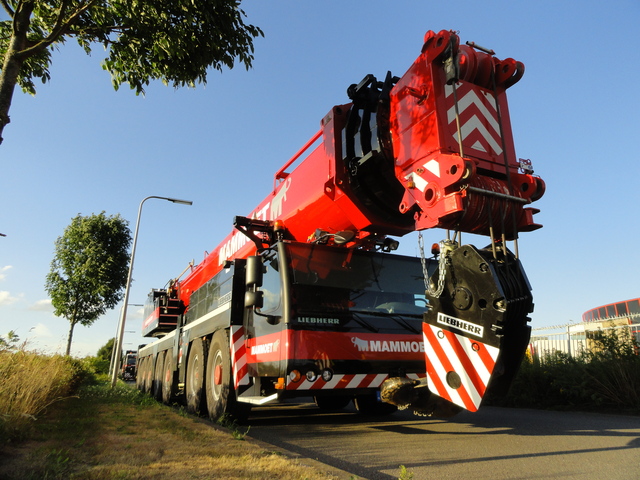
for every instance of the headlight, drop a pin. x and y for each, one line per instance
(327, 375)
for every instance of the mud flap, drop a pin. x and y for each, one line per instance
(476, 330)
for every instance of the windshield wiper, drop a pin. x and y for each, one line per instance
(358, 319)
(393, 316)
(398, 319)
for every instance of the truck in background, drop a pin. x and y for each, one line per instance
(129, 367)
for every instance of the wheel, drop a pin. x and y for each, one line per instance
(144, 366)
(148, 373)
(221, 396)
(195, 377)
(370, 405)
(139, 374)
(168, 384)
(158, 371)
(332, 404)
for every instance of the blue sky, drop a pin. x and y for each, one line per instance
(80, 147)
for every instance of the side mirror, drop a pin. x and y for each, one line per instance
(254, 270)
(253, 299)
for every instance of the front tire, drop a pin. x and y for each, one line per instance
(221, 397)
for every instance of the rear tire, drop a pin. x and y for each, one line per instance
(156, 386)
(139, 374)
(148, 374)
(168, 388)
(221, 396)
(195, 377)
(144, 367)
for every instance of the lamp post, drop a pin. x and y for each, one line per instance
(123, 314)
(113, 348)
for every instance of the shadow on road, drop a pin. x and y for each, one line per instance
(308, 431)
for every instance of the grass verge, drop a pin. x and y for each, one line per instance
(105, 433)
(29, 383)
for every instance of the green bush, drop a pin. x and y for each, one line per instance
(607, 377)
(613, 369)
(558, 382)
(98, 365)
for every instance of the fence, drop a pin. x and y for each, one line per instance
(573, 338)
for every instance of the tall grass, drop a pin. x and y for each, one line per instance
(607, 377)
(29, 383)
(121, 433)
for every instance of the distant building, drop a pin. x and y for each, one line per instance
(623, 317)
(629, 309)
(613, 315)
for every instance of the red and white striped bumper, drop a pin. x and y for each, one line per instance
(344, 382)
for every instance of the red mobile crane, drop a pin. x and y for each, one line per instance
(305, 298)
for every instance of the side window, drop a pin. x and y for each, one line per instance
(271, 289)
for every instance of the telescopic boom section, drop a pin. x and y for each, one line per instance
(431, 149)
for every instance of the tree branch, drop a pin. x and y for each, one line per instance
(95, 30)
(60, 20)
(22, 18)
(7, 8)
(61, 27)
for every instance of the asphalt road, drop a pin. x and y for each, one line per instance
(494, 443)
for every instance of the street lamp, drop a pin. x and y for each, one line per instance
(123, 315)
(114, 353)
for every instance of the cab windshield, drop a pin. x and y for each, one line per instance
(328, 279)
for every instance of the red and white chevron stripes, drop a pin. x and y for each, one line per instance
(458, 368)
(479, 125)
(344, 381)
(239, 357)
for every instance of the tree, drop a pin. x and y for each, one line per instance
(89, 270)
(102, 360)
(105, 351)
(175, 41)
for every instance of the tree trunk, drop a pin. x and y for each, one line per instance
(73, 324)
(13, 60)
(8, 78)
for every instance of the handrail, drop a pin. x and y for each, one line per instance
(281, 174)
